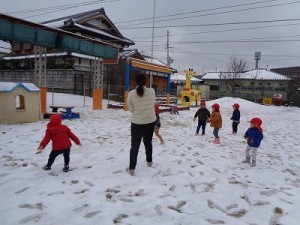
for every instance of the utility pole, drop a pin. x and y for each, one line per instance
(152, 43)
(169, 59)
(168, 46)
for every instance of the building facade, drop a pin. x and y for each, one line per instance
(294, 74)
(73, 73)
(253, 85)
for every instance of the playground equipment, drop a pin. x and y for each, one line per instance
(187, 96)
(277, 99)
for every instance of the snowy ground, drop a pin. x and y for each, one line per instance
(192, 181)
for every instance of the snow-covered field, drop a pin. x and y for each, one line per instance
(192, 182)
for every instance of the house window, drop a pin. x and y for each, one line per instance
(20, 102)
(214, 87)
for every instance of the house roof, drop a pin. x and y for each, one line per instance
(178, 78)
(32, 56)
(250, 75)
(95, 21)
(145, 57)
(10, 86)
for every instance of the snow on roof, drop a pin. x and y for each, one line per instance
(211, 76)
(250, 75)
(10, 86)
(154, 60)
(128, 52)
(102, 33)
(51, 55)
(56, 24)
(177, 78)
(264, 75)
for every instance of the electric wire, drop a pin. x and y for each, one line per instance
(215, 13)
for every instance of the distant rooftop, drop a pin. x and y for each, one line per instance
(95, 21)
(250, 75)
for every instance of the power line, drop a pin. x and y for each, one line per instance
(230, 54)
(225, 30)
(197, 11)
(217, 24)
(239, 40)
(52, 7)
(234, 41)
(218, 13)
(62, 8)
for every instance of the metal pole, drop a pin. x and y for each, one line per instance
(153, 23)
(168, 47)
(52, 96)
(83, 95)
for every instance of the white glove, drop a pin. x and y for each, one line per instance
(39, 150)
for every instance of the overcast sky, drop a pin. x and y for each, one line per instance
(203, 34)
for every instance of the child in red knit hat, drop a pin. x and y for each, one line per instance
(203, 115)
(254, 137)
(236, 115)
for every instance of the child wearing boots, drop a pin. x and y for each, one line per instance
(174, 110)
(61, 144)
(157, 124)
(216, 122)
(253, 136)
(203, 116)
(236, 115)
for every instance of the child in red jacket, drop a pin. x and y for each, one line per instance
(61, 144)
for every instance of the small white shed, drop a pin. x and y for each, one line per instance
(19, 103)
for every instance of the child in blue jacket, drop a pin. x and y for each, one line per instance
(253, 136)
(236, 115)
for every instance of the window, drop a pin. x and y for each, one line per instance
(20, 102)
(214, 87)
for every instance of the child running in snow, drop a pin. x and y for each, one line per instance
(203, 116)
(236, 115)
(174, 110)
(216, 122)
(61, 144)
(157, 124)
(254, 137)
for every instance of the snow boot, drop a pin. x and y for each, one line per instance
(247, 160)
(217, 141)
(130, 171)
(149, 164)
(66, 168)
(253, 164)
(46, 167)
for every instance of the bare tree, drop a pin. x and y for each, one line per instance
(234, 73)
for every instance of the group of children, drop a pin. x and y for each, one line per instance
(253, 135)
(60, 135)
